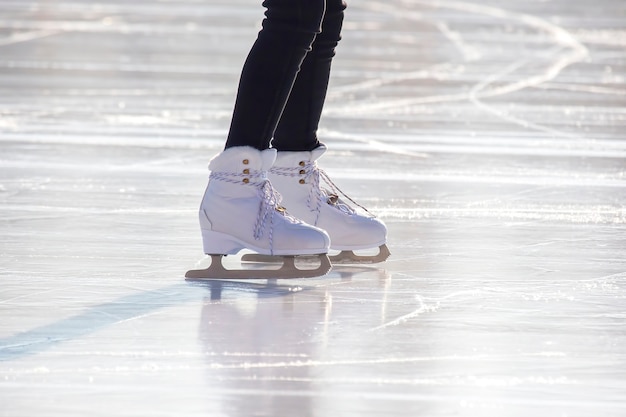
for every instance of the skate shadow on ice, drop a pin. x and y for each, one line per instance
(95, 318)
(106, 314)
(268, 288)
(279, 287)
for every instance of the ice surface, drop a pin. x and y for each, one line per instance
(489, 136)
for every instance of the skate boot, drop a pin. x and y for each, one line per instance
(241, 210)
(297, 177)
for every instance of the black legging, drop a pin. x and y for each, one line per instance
(285, 77)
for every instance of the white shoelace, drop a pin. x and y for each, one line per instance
(318, 195)
(269, 200)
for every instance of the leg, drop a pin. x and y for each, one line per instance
(307, 191)
(297, 129)
(240, 209)
(289, 29)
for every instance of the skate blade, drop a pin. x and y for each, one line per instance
(288, 270)
(343, 257)
(349, 257)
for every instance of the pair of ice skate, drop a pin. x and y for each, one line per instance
(242, 208)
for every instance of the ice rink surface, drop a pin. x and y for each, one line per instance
(490, 137)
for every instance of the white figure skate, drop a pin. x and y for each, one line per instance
(241, 210)
(297, 177)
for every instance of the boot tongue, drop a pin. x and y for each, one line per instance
(318, 152)
(293, 158)
(268, 157)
